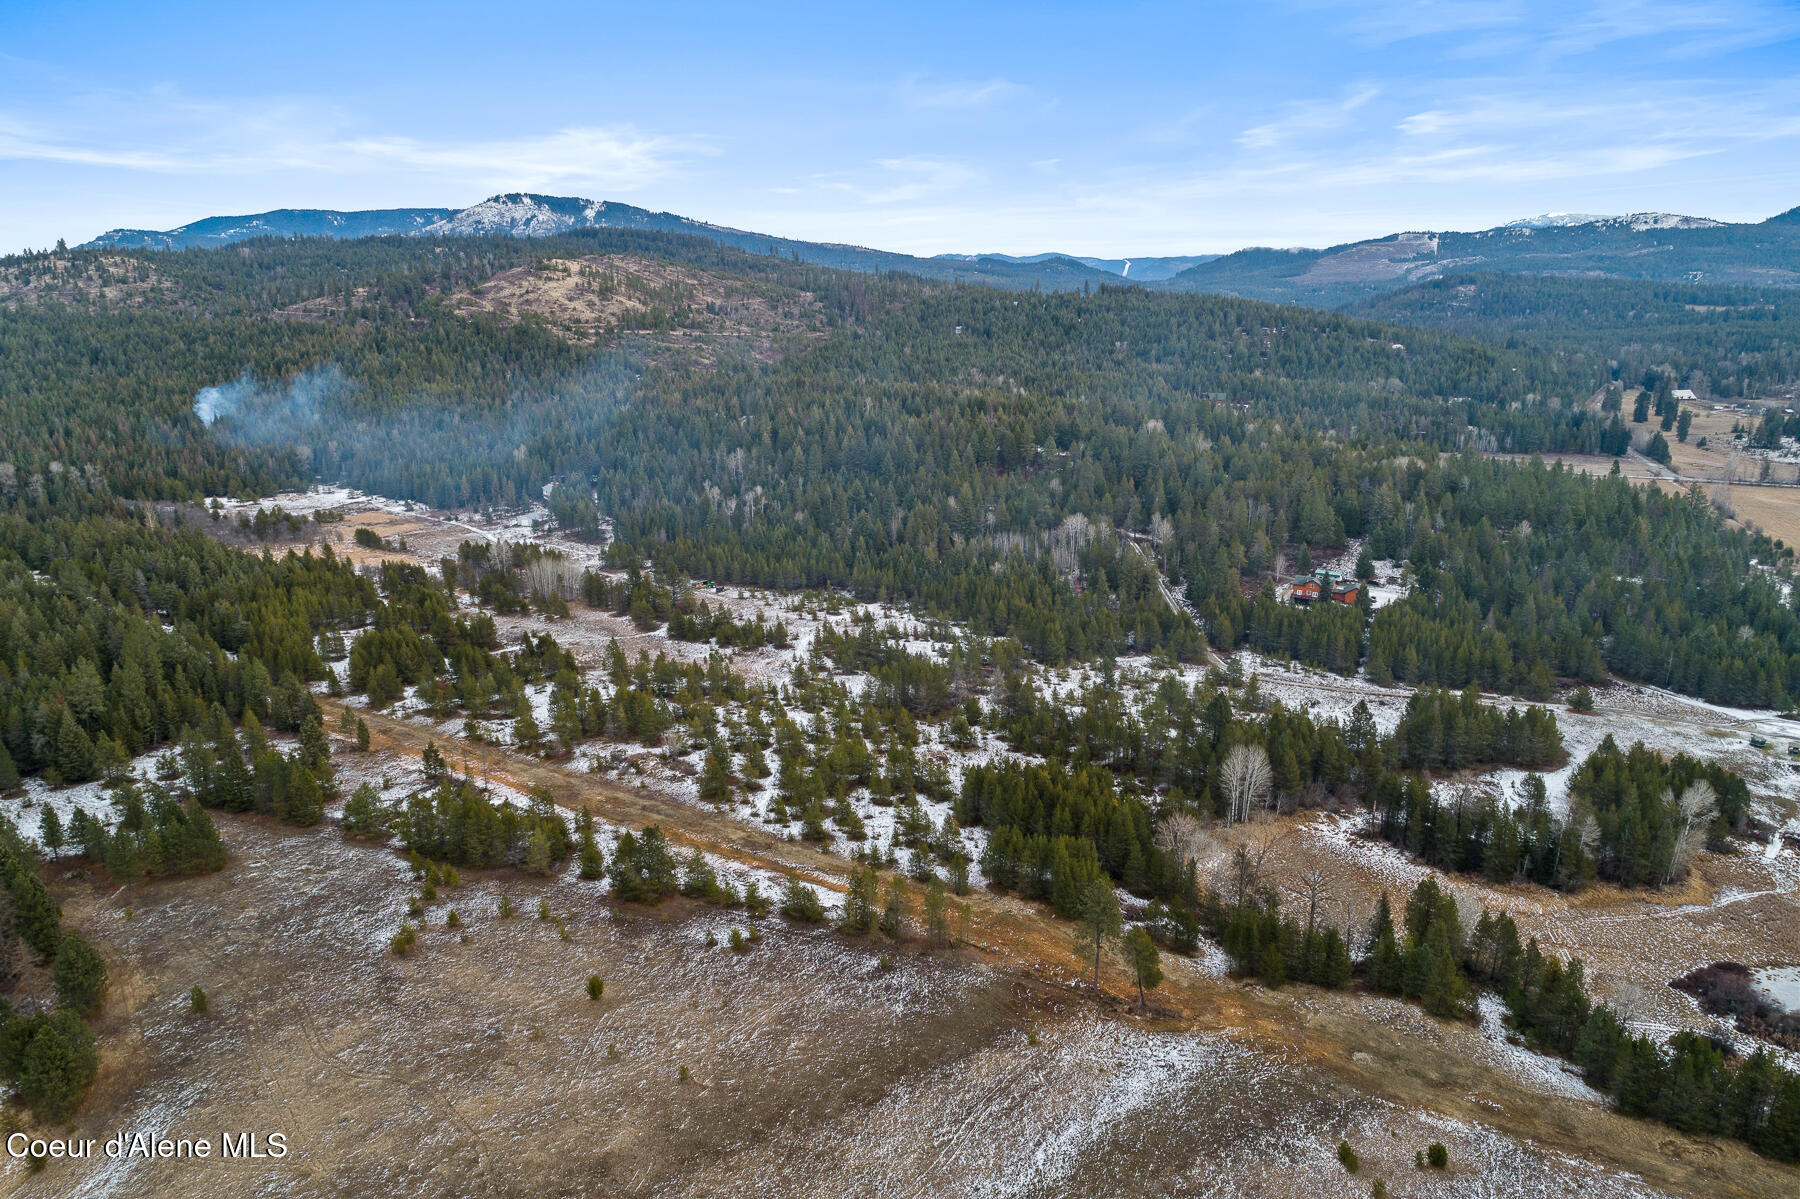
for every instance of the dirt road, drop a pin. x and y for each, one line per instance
(1335, 1032)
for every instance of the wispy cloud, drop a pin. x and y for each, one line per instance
(19, 141)
(1306, 118)
(1384, 22)
(916, 91)
(1549, 30)
(620, 157)
(166, 134)
(903, 181)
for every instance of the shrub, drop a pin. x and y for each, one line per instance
(800, 902)
(363, 814)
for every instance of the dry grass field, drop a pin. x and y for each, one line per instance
(817, 1064)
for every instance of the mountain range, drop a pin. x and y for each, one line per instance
(1644, 245)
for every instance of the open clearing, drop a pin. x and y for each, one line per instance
(478, 1066)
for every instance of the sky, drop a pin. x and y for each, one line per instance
(1096, 129)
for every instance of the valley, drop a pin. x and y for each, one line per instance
(818, 1060)
(610, 712)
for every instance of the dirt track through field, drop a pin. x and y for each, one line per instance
(1330, 1031)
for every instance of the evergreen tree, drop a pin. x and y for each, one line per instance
(896, 907)
(79, 976)
(1384, 966)
(1097, 921)
(1145, 962)
(362, 811)
(862, 901)
(715, 778)
(800, 902)
(50, 830)
(937, 913)
(592, 862)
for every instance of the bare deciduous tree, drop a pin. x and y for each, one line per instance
(1182, 836)
(1247, 780)
(1630, 1001)
(1313, 883)
(1697, 805)
(1244, 875)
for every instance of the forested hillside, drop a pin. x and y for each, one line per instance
(1726, 341)
(1069, 477)
(1644, 246)
(979, 453)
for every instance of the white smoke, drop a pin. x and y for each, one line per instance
(426, 448)
(210, 403)
(262, 414)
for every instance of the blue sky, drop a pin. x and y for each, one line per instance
(1087, 128)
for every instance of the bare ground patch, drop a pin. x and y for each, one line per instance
(597, 298)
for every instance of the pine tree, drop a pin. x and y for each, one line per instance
(305, 804)
(715, 779)
(1145, 962)
(592, 860)
(79, 976)
(433, 763)
(538, 859)
(937, 913)
(1385, 965)
(896, 907)
(862, 911)
(50, 830)
(1097, 920)
(56, 1064)
(362, 810)
(800, 902)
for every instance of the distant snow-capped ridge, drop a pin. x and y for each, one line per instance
(281, 222)
(524, 214)
(519, 214)
(1637, 222)
(1555, 220)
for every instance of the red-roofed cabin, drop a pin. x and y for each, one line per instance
(1346, 592)
(1306, 590)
